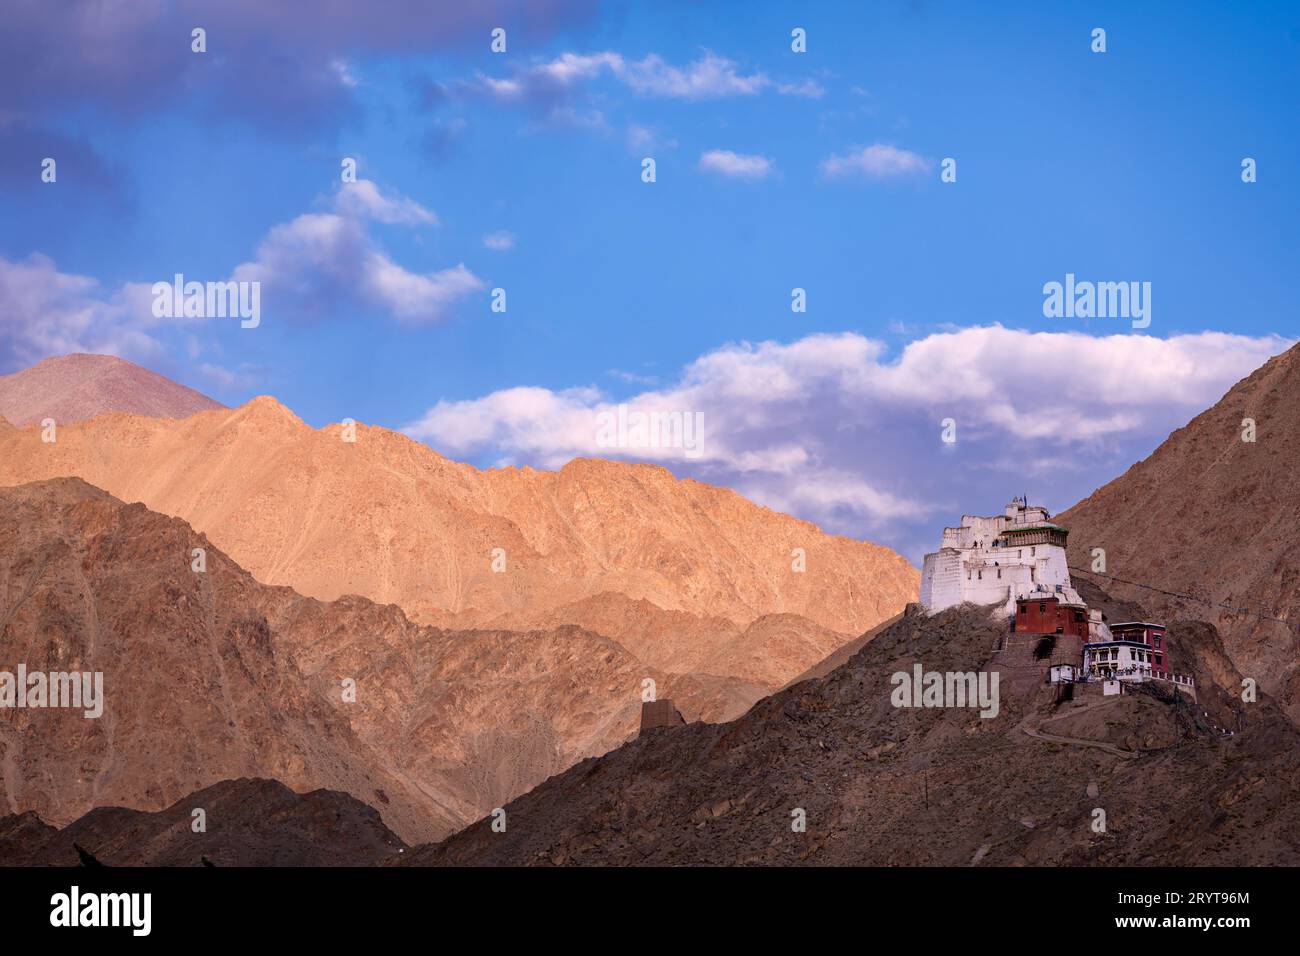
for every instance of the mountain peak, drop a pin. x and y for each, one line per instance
(80, 386)
(267, 406)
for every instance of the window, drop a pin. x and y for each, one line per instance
(1160, 660)
(1155, 640)
(1042, 609)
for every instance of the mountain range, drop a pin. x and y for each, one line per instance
(518, 689)
(500, 625)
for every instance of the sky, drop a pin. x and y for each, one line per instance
(775, 170)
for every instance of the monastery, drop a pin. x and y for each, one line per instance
(1016, 561)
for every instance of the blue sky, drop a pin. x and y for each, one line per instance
(924, 297)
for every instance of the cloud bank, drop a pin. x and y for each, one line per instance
(835, 429)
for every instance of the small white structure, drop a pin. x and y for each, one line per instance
(996, 560)
(1063, 673)
(1111, 687)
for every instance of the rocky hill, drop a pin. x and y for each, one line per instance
(244, 823)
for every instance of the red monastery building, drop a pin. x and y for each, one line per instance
(1047, 615)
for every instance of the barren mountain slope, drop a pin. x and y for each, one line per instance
(389, 519)
(881, 785)
(212, 675)
(680, 642)
(73, 388)
(1218, 518)
(197, 688)
(247, 822)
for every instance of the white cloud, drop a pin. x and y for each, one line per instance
(835, 429)
(569, 69)
(46, 312)
(313, 264)
(320, 263)
(503, 89)
(735, 165)
(708, 77)
(878, 161)
(501, 241)
(417, 297)
(363, 200)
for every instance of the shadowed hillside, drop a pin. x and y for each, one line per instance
(1217, 520)
(888, 786)
(246, 823)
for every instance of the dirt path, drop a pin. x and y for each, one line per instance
(1033, 724)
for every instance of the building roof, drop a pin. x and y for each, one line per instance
(1041, 526)
(1137, 624)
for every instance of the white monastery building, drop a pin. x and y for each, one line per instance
(1016, 562)
(1017, 554)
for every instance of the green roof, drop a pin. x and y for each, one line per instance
(1034, 527)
